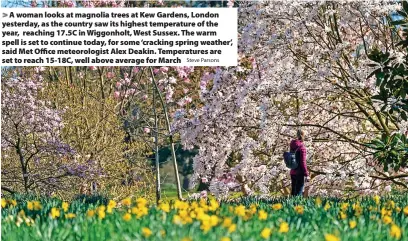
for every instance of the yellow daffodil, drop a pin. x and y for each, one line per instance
(344, 206)
(127, 217)
(240, 211)
(30, 205)
(3, 203)
(101, 212)
(283, 227)
(342, 215)
(55, 212)
(376, 199)
(205, 226)
(395, 232)
(318, 202)
(326, 206)
(331, 237)
(165, 207)
(262, 215)
(405, 210)
(183, 213)
(252, 209)
(214, 220)
(193, 214)
(352, 224)
(232, 228)
(37, 205)
(127, 201)
(277, 206)
(112, 204)
(182, 205)
(225, 239)
(70, 215)
(387, 219)
(266, 233)
(65, 206)
(227, 222)
(146, 232)
(90, 213)
(141, 202)
(385, 212)
(358, 211)
(214, 205)
(299, 209)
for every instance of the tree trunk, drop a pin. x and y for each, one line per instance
(156, 147)
(173, 152)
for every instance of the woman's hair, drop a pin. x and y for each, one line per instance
(301, 134)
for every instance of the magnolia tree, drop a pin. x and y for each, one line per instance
(302, 64)
(307, 68)
(33, 155)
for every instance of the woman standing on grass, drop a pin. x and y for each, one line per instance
(300, 174)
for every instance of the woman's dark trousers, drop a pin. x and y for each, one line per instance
(298, 183)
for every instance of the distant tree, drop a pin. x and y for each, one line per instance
(34, 155)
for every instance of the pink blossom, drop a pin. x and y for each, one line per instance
(130, 92)
(188, 100)
(172, 80)
(92, 67)
(135, 70)
(39, 69)
(156, 71)
(146, 130)
(185, 90)
(181, 103)
(116, 94)
(110, 75)
(164, 69)
(118, 85)
(187, 80)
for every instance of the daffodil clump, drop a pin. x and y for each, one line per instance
(135, 218)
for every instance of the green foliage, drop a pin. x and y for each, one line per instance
(391, 75)
(391, 151)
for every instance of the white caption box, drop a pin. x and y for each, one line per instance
(119, 37)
